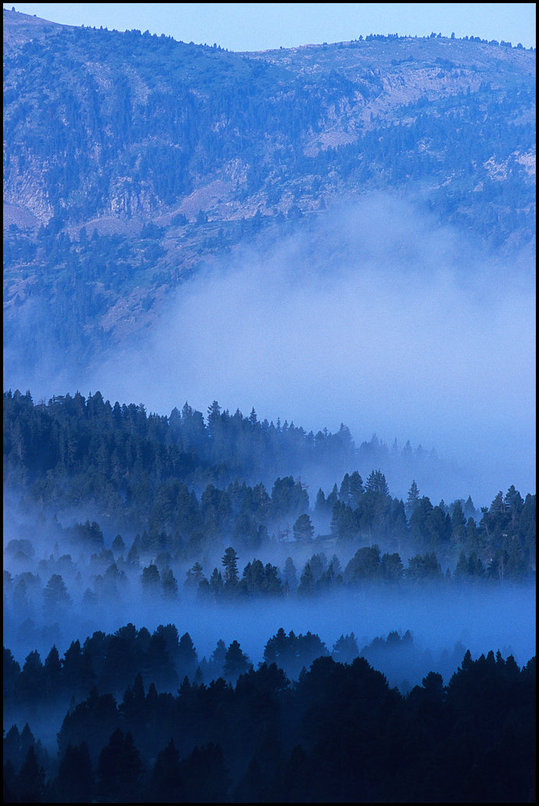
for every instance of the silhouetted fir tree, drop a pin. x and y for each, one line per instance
(290, 574)
(151, 580)
(345, 649)
(27, 741)
(420, 534)
(332, 576)
(169, 633)
(236, 662)
(476, 568)
(439, 525)
(186, 657)
(288, 498)
(332, 498)
(320, 506)
(117, 666)
(169, 584)
(306, 585)
(303, 528)
(30, 681)
(309, 647)
(119, 770)
(52, 675)
(230, 565)
(272, 582)
(166, 779)
(252, 581)
(498, 566)
(134, 552)
(397, 524)
(412, 499)
(94, 652)
(458, 524)
(514, 503)
(133, 705)
(469, 508)
(216, 585)
(376, 483)
(471, 535)
(194, 576)
(30, 783)
(461, 568)
(217, 660)
(276, 647)
(318, 563)
(469, 568)
(75, 780)
(344, 490)
(356, 489)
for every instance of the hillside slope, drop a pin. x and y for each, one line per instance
(130, 159)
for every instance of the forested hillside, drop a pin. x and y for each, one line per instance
(129, 159)
(188, 485)
(182, 526)
(213, 605)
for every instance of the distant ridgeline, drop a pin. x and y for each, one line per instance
(130, 159)
(131, 124)
(189, 485)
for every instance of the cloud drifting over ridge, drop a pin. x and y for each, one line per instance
(375, 316)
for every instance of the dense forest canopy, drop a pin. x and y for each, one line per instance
(255, 736)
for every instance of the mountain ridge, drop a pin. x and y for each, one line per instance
(366, 95)
(173, 154)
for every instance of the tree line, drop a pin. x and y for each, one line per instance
(337, 734)
(186, 484)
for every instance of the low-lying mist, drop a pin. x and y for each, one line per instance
(104, 591)
(374, 316)
(371, 314)
(480, 618)
(59, 589)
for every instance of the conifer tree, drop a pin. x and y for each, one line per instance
(236, 662)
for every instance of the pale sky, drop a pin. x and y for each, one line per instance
(263, 26)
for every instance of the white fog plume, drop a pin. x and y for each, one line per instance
(376, 317)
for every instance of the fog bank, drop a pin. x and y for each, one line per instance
(375, 316)
(481, 619)
(372, 314)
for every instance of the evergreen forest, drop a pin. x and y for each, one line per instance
(203, 604)
(175, 521)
